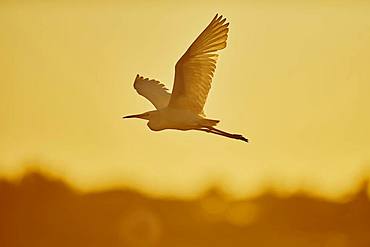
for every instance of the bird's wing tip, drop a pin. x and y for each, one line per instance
(219, 18)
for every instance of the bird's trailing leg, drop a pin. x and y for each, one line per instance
(223, 133)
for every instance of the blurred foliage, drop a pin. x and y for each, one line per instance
(42, 211)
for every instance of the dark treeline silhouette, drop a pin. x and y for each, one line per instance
(42, 211)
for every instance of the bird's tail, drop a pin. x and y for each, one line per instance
(209, 122)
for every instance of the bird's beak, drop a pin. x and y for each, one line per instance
(134, 116)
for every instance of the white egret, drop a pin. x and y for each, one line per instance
(183, 109)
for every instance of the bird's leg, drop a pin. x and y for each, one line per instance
(223, 133)
(236, 136)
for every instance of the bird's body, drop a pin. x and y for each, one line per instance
(183, 109)
(172, 118)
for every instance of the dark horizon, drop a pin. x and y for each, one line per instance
(39, 210)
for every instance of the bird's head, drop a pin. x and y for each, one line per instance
(146, 115)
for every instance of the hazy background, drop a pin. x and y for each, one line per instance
(38, 210)
(294, 78)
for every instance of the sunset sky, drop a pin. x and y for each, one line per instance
(294, 78)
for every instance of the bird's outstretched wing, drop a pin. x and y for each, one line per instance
(195, 69)
(152, 90)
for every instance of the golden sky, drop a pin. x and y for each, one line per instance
(294, 78)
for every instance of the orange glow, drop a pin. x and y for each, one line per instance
(44, 211)
(294, 78)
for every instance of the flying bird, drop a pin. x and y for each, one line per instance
(183, 109)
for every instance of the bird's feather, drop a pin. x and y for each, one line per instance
(195, 69)
(152, 90)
